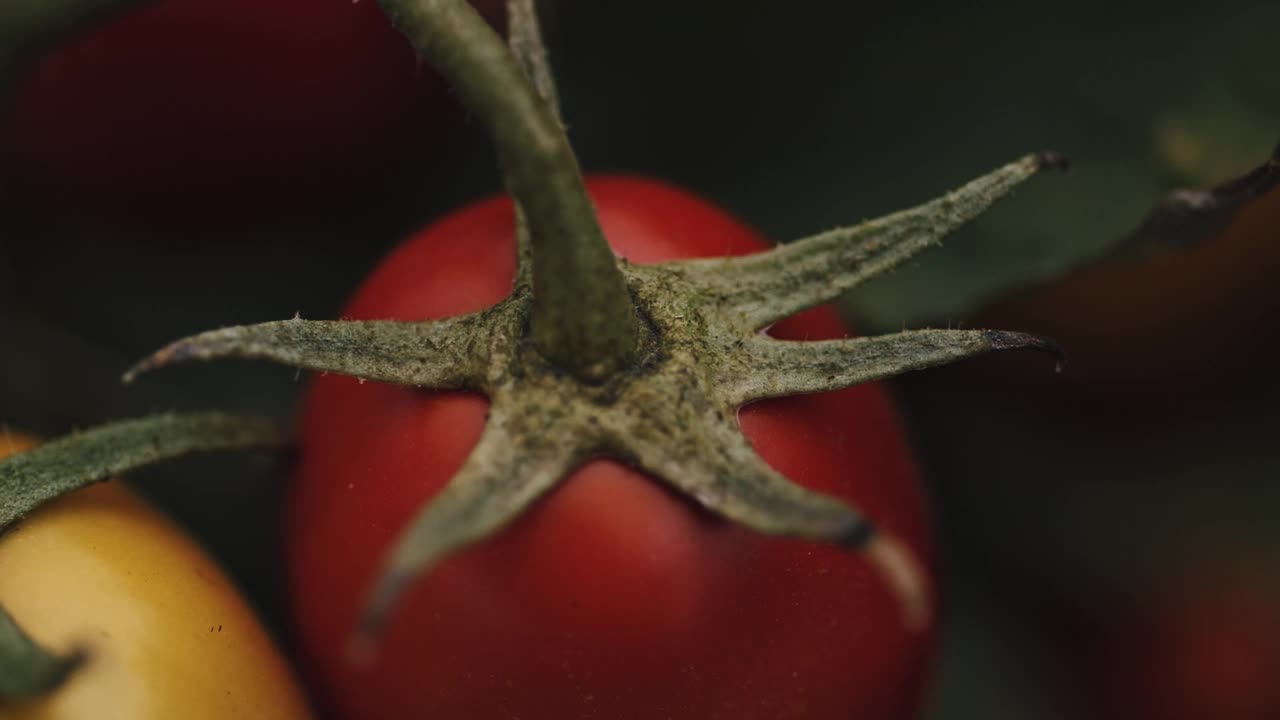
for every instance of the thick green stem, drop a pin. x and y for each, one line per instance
(30, 479)
(524, 36)
(583, 318)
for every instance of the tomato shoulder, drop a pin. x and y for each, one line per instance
(612, 592)
(166, 632)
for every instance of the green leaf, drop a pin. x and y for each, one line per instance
(1199, 110)
(26, 669)
(29, 479)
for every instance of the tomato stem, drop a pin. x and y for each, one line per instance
(583, 318)
(29, 479)
(524, 36)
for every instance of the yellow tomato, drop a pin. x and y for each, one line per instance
(166, 632)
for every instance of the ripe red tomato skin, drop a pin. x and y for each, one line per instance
(612, 598)
(221, 108)
(1199, 638)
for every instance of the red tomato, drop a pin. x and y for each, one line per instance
(216, 107)
(1190, 317)
(613, 597)
(1204, 643)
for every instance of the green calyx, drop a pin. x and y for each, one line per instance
(27, 670)
(680, 348)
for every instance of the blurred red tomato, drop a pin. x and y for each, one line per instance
(1202, 312)
(1202, 644)
(211, 109)
(613, 597)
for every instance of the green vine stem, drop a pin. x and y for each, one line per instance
(26, 669)
(583, 319)
(525, 40)
(30, 479)
(524, 37)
